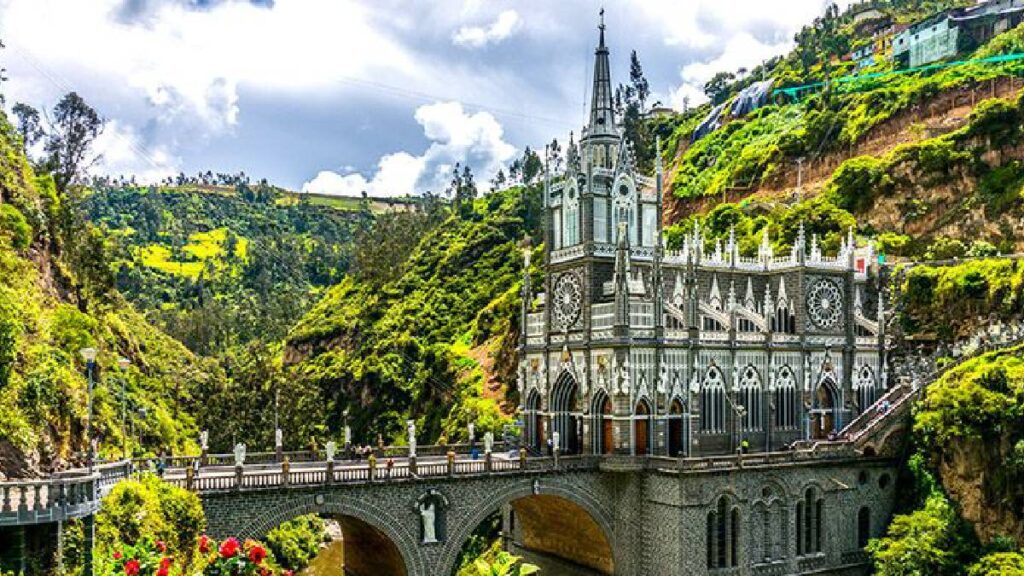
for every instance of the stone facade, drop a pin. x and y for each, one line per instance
(633, 523)
(630, 348)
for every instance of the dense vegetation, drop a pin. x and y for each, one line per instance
(217, 269)
(422, 345)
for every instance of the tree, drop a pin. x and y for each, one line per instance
(718, 87)
(532, 166)
(555, 153)
(499, 181)
(641, 88)
(29, 125)
(73, 130)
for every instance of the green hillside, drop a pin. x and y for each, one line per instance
(220, 268)
(56, 297)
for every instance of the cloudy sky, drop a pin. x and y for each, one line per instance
(338, 96)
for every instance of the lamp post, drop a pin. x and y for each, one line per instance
(123, 363)
(347, 433)
(89, 355)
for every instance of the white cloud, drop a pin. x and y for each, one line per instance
(474, 139)
(122, 152)
(734, 34)
(478, 36)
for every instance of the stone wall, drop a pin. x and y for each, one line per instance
(630, 523)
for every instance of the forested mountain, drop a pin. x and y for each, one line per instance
(217, 268)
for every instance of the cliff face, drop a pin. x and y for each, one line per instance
(971, 471)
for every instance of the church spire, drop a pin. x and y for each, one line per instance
(602, 115)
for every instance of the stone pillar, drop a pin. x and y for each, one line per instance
(285, 471)
(451, 463)
(88, 541)
(189, 478)
(238, 476)
(522, 458)
(330, 472)
(487, 461)
(412, 465)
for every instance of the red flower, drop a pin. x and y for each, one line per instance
(118, 555)
(165, 562)
(131, 567)
(162, 572)
(204, 544)
(257, 554)
(288, 573)
(229, 548)
(160, 546)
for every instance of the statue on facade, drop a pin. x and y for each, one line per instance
(239, 454)
(429, 518)
(331, 449)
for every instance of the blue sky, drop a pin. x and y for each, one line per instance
(337, 96)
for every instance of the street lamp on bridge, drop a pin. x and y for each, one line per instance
(89, 355)
(123, 363)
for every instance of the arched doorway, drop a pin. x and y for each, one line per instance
(642, 428)
(676, 441)
(823, 415)
(564, 415)
(534, 421)
(603, 438)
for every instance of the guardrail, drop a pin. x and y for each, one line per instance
(68, 494)
(259, 477)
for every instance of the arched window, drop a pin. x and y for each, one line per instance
(863, 526)
(810, 514)
(712, 401)
(570, 214)
(785, 399)
(864, 384)
(723, 531)
(784, 319)
(534, 420)
(601, 413)
(750, 397)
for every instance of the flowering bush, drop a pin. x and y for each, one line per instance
(145, 558)
(231, 558)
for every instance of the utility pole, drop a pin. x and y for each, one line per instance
(89, 355)
(123, 363)
(799, 179)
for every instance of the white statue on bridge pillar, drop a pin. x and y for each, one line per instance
(204, 440)
(411, 427)
(428, 516)
(555, 440)
(239, 454)
(488, 442)
(278, 438)
(348, 436)
(331, 449)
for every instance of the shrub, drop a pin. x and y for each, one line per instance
(138, 510)
(932, 540)
(944, 248)
(14, 225)
(857, 182)
(998, 563)
(893, 244)
(297, 541)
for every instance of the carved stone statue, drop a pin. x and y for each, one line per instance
(472, 432)
(278, 438)
(331, 449)
(204, 440)
(411, 427)
(348, 436)
(429, 517)
(555, 437)
(239, 454)
(488, 442)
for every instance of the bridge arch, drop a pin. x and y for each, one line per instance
(397, 550)
(524, 490)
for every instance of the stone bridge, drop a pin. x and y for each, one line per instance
(792, 512)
